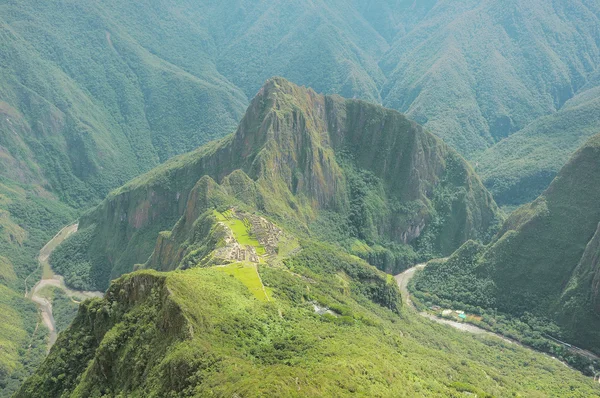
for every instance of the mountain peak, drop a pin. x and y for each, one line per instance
(301, 156)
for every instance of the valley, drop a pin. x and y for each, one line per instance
(404, 279)
(221, 262)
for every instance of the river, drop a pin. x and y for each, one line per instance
(49, 278)
(404, 278)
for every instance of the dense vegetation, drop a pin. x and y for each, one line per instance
(201, 332)
(28, 222)
(95, 93)
(308, 317)
(544, 260)
(518, 169)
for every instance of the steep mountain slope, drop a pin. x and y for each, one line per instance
(326, 45)
(432, 54)
(254, 311)
(365, 176)
(31, 216)
(544, 259)
(95, 107)
(134, 84)
(83, 108)
(519, 168)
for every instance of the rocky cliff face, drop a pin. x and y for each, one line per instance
(550, 258)
(295, 154)
(580, 300)
(591, 261)
(109, 331)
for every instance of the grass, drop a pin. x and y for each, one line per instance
(247, 273)
(197, 333)
(242, 230)
(287, 245)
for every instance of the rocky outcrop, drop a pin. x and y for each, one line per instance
(138, 318)
(291, 158)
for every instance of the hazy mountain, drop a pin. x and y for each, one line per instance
(477, 72)
(519, 168)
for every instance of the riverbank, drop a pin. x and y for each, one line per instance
(403, 281)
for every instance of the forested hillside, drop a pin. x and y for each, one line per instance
(260, 294)
(544, 261)
(327, 324)
(519, 168)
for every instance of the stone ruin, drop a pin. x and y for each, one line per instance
(267, 234)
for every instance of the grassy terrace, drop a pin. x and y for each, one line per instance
(241, 230)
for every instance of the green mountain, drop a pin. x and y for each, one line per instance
(347, 171)
(542, 262)
(84, 107)
(521, 167)
(477, 72)
(93, 94)
(261, 296)
(248, 331)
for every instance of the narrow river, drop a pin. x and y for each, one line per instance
(49, 278)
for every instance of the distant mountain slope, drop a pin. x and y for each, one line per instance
(477, 72)
(363, 175)
(519, 168)
(133, 84)
(97, 107)
(544, 259)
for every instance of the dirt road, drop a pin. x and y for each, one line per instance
(49, 278)
(404, 278)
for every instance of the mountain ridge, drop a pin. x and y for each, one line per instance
(303, 154)
(93, 94)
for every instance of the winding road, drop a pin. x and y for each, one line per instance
(404, 278)
(49, 278)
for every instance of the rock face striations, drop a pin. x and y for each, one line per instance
(305, 158)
